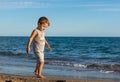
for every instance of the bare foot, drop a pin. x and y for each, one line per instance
(41, 76)
(36, 73)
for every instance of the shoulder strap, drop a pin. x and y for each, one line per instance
(38, 31)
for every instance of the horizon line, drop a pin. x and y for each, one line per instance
(54, 36)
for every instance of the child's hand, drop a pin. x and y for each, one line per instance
(50, 49)
(28, 50)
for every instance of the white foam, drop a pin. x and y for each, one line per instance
(103, 71)
(80, 65)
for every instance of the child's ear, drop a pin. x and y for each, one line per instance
(39, 24)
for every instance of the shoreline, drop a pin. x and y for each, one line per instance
(21, 78)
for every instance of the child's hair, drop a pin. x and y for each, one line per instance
(43, 20)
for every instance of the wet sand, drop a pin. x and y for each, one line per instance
(20, 78)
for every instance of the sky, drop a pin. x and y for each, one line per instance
(67, 17)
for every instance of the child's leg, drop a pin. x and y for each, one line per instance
(40, 70)
(36, 69)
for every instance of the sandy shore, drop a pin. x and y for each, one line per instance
(18, 78)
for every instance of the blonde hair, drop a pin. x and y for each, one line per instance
(43, 20)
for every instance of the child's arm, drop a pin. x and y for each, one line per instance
(34, 33)
(47, 44)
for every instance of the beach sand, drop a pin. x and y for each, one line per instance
(20, 78)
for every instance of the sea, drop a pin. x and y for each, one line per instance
(71, 57)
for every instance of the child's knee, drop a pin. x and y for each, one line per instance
(41, 62)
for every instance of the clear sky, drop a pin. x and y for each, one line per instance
(67, 17)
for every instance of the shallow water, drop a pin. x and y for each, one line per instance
(75, 57)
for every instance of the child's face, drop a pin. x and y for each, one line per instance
(42, 26)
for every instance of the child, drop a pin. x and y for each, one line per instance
(39, 42)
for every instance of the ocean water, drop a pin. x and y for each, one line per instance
(72, 57)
